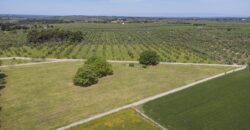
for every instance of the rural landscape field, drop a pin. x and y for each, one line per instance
(124, 65)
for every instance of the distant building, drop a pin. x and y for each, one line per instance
(119, 20)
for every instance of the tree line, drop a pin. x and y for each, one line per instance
(10, 27)
(54, 35)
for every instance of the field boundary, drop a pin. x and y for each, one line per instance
(148, 118)
(51, 60)
(148, 99)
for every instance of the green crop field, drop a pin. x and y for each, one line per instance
(124, 120)
(43, 96)
(219, 104)
(215, 42)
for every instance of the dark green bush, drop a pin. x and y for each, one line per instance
(2, 75)
(85, 77)
(100, 67)
(131, 65)
(93, 69)
(149, 58)
(2, 80)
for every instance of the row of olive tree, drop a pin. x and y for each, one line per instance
(2, 78)
(54, 35)
(93, 69)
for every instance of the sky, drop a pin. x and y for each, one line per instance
(148, 8)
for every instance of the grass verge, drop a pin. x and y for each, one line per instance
(127, 119)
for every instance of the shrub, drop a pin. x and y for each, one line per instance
(131, 65)
(2, 80)
(93, 69)
(100, 66)
(149, 58)
(85, 77)
(2, 75)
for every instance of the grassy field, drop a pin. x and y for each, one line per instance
(219, 104)
(43, 97)
(215, 42)
(127, 119)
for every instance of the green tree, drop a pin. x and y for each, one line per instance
(93, 69)
(100, 66)
(149, 58)
(85, 77)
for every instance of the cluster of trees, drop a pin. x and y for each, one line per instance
(199, 24)
(149, 58)
(10, 27)
(93, 69)
(44, 21)
(53, 35)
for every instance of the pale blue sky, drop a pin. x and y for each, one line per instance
(164, 8)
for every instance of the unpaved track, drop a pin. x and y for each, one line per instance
(50, 60)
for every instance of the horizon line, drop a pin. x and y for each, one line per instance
(131, 16)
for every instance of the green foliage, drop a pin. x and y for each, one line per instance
(131, 65)
(2, 75)
(100, 66)
(149, 58)
(53, 35)
(2, 80)
(93, 69)
(85, 77)
(11, 27)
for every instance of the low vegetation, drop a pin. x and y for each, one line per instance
(127, 119)
(149, 58)
(2, 85)
(63, 103)
(93, 69)
(222, 103)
